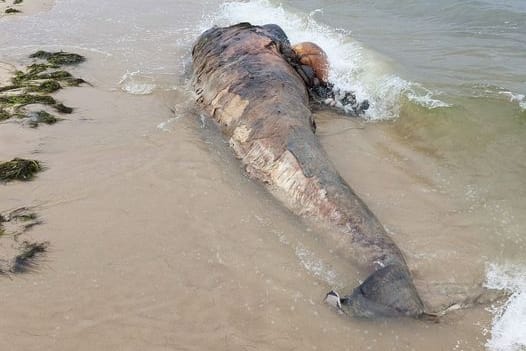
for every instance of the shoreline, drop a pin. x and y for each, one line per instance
(139, 247)
(134, 198)
(25, 8)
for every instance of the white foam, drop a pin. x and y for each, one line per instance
(508, 331)
(168, 125)
(137, 83)
(424, 97)
(315, 265)
(353, 67)
(514, 97)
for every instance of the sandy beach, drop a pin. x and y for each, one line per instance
(159, 241)
(139, 248)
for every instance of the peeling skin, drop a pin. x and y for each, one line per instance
(243, 81)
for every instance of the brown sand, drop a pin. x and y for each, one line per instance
(159, 242)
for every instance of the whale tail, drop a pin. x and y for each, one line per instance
(388, 292)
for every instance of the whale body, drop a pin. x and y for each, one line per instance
(243, 79)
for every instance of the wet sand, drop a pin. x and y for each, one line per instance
(158, 240)
(26, 7)
(6, 71)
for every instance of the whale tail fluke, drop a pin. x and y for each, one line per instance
(388, 292)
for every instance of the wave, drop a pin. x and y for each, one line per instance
(515, 97)
(353, 66)
(497, 92)
(509, 321)
(136, 83)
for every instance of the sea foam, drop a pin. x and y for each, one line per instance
(508, 331)
(353, 66)
(515, 97)
(315, 265)
(136, 83)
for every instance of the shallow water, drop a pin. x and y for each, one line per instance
(160, 242)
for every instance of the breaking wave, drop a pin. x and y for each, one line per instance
(509, 321)
(353, 66)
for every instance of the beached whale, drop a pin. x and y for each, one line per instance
(246, 78)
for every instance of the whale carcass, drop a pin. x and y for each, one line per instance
(246, 78)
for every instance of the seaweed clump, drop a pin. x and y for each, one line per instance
(24, 218)
(23, 214)
(4, 115)
(26, 99)
(11, 10)
(19, 257)
(62, 108)
(48, 86)
(35, 84)
(29, 253)
(19, 169)
(26, 258)
(35, 118)
(59, 58)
